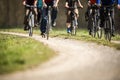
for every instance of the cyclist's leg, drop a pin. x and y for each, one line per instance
(87, 13)
(68, 24)
(44, 21)
(35, 18)
(76, 17)
(112, 15)
(90, 20)
(39, 16)
(27, 10)
(54, 15)
(102, 19)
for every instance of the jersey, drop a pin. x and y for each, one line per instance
(39, 3)
(72, 3)
(92, 1)
(48, 1)
(119, 2)
(30, 2)
(107, 2)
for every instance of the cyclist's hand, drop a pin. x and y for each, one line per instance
(24, 3)
(81, 6)
(44, 5)
(89, 3)
(118, 6)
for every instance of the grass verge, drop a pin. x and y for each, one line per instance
(82, 34)
(19, 53)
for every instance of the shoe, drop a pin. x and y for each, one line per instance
(113, 35)
(54, 24)
(68, 30)
(90, 32)
(36, 25)
(43, 35)
(26, 28)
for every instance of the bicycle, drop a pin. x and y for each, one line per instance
(108, 27)
(73, 21)
(31, 19)
(49, 26)
(94, 22)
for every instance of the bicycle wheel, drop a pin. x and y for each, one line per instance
(31, 24)
(108, 29)
(73, 28)
(48, 23)
(93, 33)
(99, 29)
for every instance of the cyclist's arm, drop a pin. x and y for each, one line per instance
(35, 3)
(44, 4)
(66, 4)
(80, 4)
(24, 2)
(56, 3)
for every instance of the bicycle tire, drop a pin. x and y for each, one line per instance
(99, 29)
(31, 24)
(93, 33)
(48, 23)
(73, 28)
(108, 31)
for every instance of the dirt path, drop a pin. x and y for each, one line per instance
(76, 60)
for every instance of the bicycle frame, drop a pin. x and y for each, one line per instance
(108, 27)
(31, 19)
(93, 22)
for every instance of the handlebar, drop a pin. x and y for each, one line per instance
(31, 6)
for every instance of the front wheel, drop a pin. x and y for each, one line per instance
(31, 25)
(73, 28)
(108, 29)
(30, 31)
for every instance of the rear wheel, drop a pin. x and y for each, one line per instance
(48, 24)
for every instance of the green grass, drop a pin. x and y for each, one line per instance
(19, 53)
(82, 34)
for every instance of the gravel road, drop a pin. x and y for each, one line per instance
(76, 60)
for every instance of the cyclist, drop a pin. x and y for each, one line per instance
(39, 10)
(27, 10)
(103, 3)
(90, 4)
(54, 5)
(68, 4)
